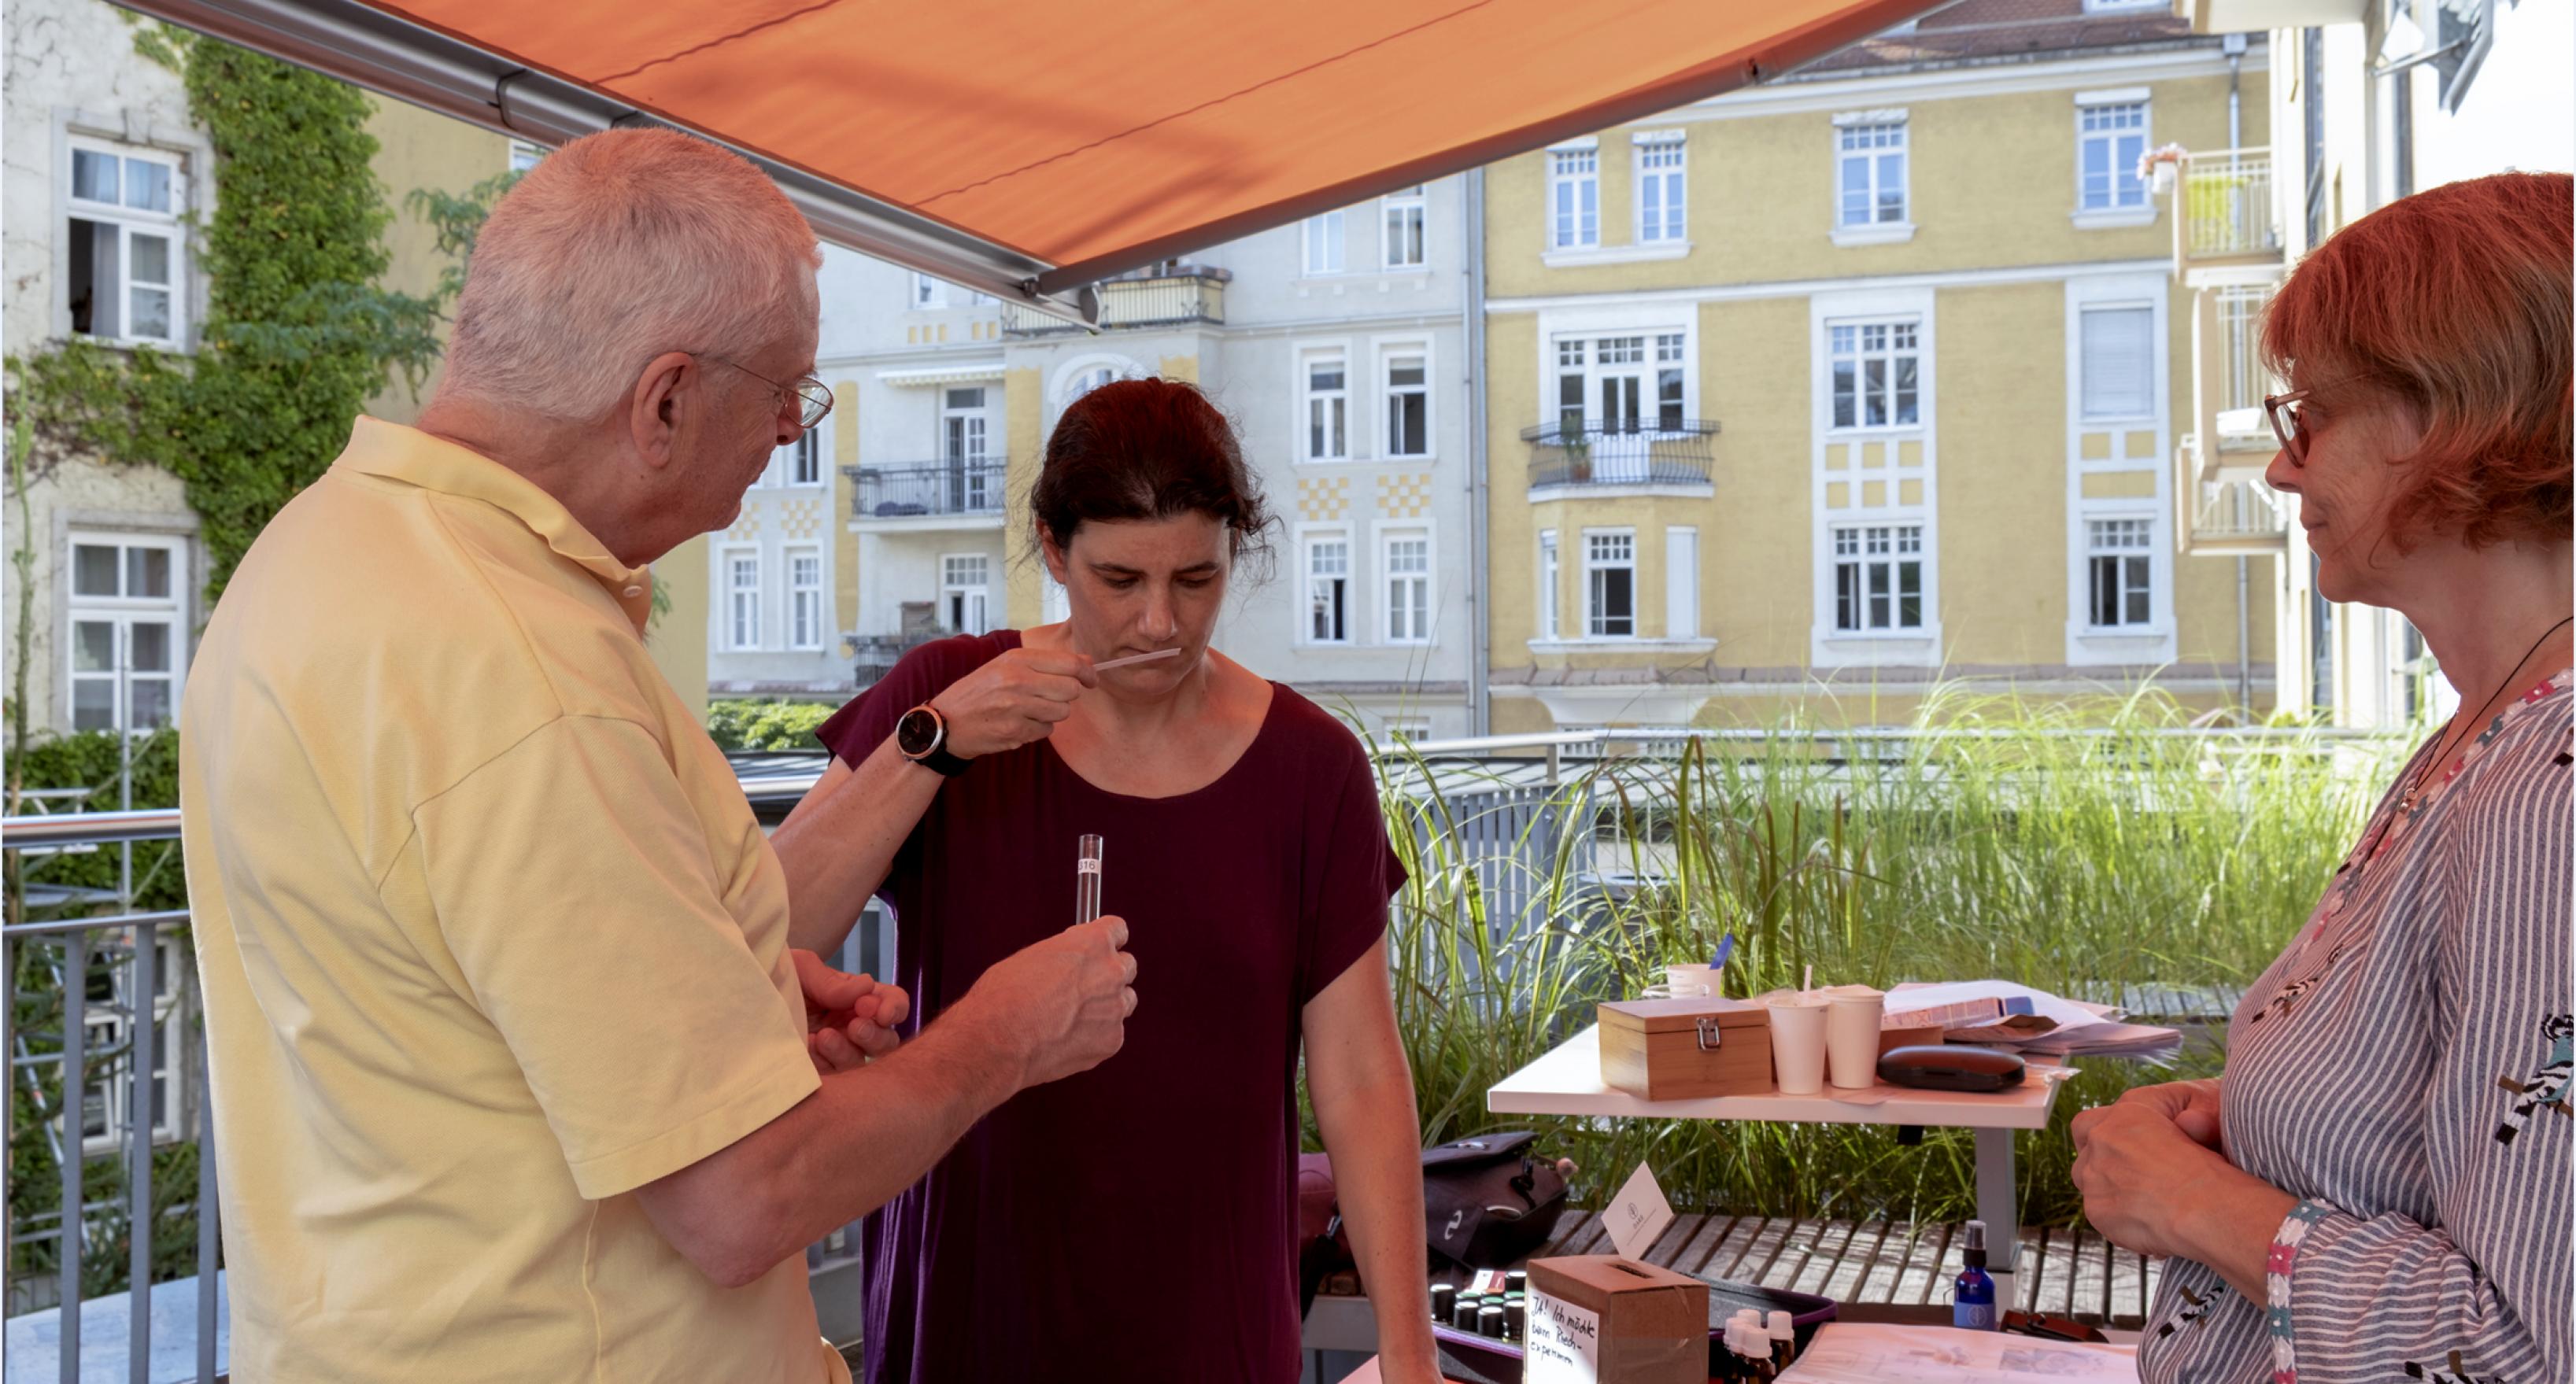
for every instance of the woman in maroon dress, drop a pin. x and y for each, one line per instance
(1136, 1221)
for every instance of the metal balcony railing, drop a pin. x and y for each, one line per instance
(2227, 204)
(2238, 512)
(1174, 297)
(959, 486)
(1674, 451)
(72, 975)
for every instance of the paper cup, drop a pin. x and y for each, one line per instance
(1674, 992)
(1798, 1047)
(1851, 1039)
(1684, 974)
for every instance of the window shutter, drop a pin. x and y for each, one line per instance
(2118, 367)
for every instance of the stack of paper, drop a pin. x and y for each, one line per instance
(1876, 1353)
(2033, 1021)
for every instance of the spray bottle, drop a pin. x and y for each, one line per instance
(1972, 1302)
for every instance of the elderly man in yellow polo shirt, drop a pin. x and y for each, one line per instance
(515, 1075)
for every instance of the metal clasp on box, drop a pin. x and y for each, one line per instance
(1709, 1034)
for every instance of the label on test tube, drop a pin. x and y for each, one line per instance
(1086, 867)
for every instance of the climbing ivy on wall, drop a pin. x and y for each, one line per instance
(296, 334)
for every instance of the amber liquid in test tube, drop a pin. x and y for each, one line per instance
(1086, 882)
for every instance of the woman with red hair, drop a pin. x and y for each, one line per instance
(2378, 1186)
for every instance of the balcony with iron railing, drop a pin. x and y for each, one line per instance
(961, 492)
(2235, 517)
(1671, 453)
(1177, 296)
(2227, 212)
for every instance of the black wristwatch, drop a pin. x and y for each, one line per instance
(922, 736)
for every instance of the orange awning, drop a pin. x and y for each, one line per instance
(1034, 148)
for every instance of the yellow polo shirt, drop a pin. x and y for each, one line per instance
(489, 939)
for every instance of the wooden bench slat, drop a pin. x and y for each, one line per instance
(1859, 1257)
(1926, 1267)
(1768, 1242)
(1805, 1246)
(2056, 1292)
(1671, 1240)
(1887, 1264)
(2030, 1265)
(1568, 1226)
(1712, 1232)
(1725, 1259)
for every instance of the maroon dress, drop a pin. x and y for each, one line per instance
(1136, 1221)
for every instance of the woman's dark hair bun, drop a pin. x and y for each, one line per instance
(1146, 449)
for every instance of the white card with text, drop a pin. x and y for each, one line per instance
(1638, 1214)
(1563, 1345)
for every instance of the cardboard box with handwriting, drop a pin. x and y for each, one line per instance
(1602, 1319)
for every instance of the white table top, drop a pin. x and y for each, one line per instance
(1566, 1080)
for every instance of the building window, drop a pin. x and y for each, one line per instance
(1877, 382)
(799, 462)
(2109, 142)
(1574, 195)
(126, 624)
(1547, 583)
(965, 596)
(1328, 406)
(1408, 588)
(1661, 195)
(126, 276)
(928, 293)
(2123, 583)
(1610, 584)
(1668, 381)
(1324, 243)
(804, 598)
(524, 156)
(2118, 365)
(742, 599)
(1328, 589)
(1878, 577)
(1403, 214)
(1870, 171)
(1408, 406)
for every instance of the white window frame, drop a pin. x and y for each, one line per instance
(1547, 585)
(2132, 558)
(957, 580)
(743, 600)
(1850, 545)
(525, 155)
(1573, 208)
(123, 613)
(1671, 185)
(2114, 213)
(1324, 244)
(789, 464)
(127, 222)
(1388, 353)
(1901, 340)
(2146, 477)
(1863, 137)
(928, 294)
(1324, 415)
(805, 619)
(1390, 582)
(1404, 223)
(1308, 537)
(2083, 404)
(1866, 476)
(173, 1055)
(1595, 617)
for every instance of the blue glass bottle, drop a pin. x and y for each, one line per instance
(1972, 1302)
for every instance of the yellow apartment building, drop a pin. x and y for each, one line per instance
(1829, 391)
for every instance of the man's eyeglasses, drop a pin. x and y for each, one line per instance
(2284, 410)
(812, 394)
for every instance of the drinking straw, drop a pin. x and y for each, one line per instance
(1133, 658)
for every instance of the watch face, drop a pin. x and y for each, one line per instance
(917, 734)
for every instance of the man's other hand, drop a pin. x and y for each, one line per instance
(848, 1018)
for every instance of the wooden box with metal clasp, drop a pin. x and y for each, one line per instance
(1686, 1049)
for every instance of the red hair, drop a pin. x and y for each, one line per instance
(2458, 301)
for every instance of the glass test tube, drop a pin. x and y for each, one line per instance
(1086, 882)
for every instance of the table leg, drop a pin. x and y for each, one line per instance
(1998, 1205)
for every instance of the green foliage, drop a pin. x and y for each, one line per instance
(779, 725)
(2066, 847)
(458, 218)
(296, 336)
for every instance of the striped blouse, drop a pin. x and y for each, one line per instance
(2403, 1068)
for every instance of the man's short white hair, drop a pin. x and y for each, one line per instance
(614, 249)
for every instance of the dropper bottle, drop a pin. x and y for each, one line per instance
(1972, 1300)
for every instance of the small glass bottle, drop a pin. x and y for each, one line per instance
(1444, 1301)
(1463, 1314)
(1489, 1320)
(1972, 1300)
